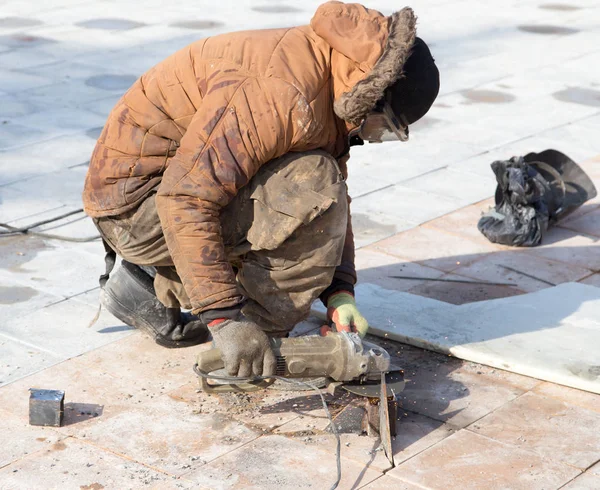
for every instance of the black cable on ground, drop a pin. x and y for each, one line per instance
(26, 230)
(235, 380)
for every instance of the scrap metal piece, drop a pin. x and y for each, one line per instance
(46, 407)
(394, 381)
(384, 422)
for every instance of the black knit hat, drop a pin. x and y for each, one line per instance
(415, 92)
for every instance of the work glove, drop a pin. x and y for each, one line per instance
(342, 311)
(245, 348)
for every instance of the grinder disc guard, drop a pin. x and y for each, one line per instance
(372, 389)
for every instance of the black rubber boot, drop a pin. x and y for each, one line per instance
(129, 295)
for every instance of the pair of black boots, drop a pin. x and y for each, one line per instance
(130, 296)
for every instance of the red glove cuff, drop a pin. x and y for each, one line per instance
(214, 323)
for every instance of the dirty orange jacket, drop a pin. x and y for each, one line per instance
(198, 126)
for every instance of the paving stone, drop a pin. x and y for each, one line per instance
(593, 280)
(588, 224)
(111, 82)
(528, 273)
(464, 221)
(57, 123)
(18, 300)
(62, 329)
(379, 268)
(70, 463)
(435, 248)
(18, 360)
(279, 462)
(453, 391)
(12, 108)
(110, 24)
(18, 22)
(461, 289)
(48, 156)
(73, 95)
(569, 247)
(102, 106)
(60, 271)
(15, 135)
(20, 40)
(168, 435)
(19, 205)
(587, 481)
(405, 204)
(13, 81)
(468, 461)
(64, 186)
(197, 24)
(552, 428)
(24, 438)
(415, 433)
(466, 188)
(369, 227)
(387, 482)
(138, 360)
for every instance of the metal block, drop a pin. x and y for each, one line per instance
(46, 407)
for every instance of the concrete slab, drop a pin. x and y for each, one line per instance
(563, 323)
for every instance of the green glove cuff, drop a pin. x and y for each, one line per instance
(340, 298)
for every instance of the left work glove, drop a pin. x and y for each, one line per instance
(342, 311)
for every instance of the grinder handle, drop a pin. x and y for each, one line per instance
(210, 360)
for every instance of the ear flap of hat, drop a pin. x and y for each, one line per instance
(414, 93)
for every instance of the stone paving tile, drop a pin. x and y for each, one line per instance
(588, 224)
(13, 107)
(61, 271)
(460, 293)
(450, 390)
(406, 204)
(273, 462)
(593, 280)
(587, 481)
(263, 411)
(24, 439)
(18, 360)
(17, 300)
(64, 186)
(387, 482)
(468, 461)
(534, 273)
(60, 95)
(74, 464)
(168, 435)
(464, 221)
(140, 361)
(415, 433)
(378, 268)
(466, 188)
(435, 248)
(23, 59)
(371, 227)
(569, 247)
(552, 428)
(15, 135)
(64, 121)
(13, 81)
(73, 337)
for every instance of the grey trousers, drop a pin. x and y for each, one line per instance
(284, 251)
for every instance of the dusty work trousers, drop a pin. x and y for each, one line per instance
(284, 247)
